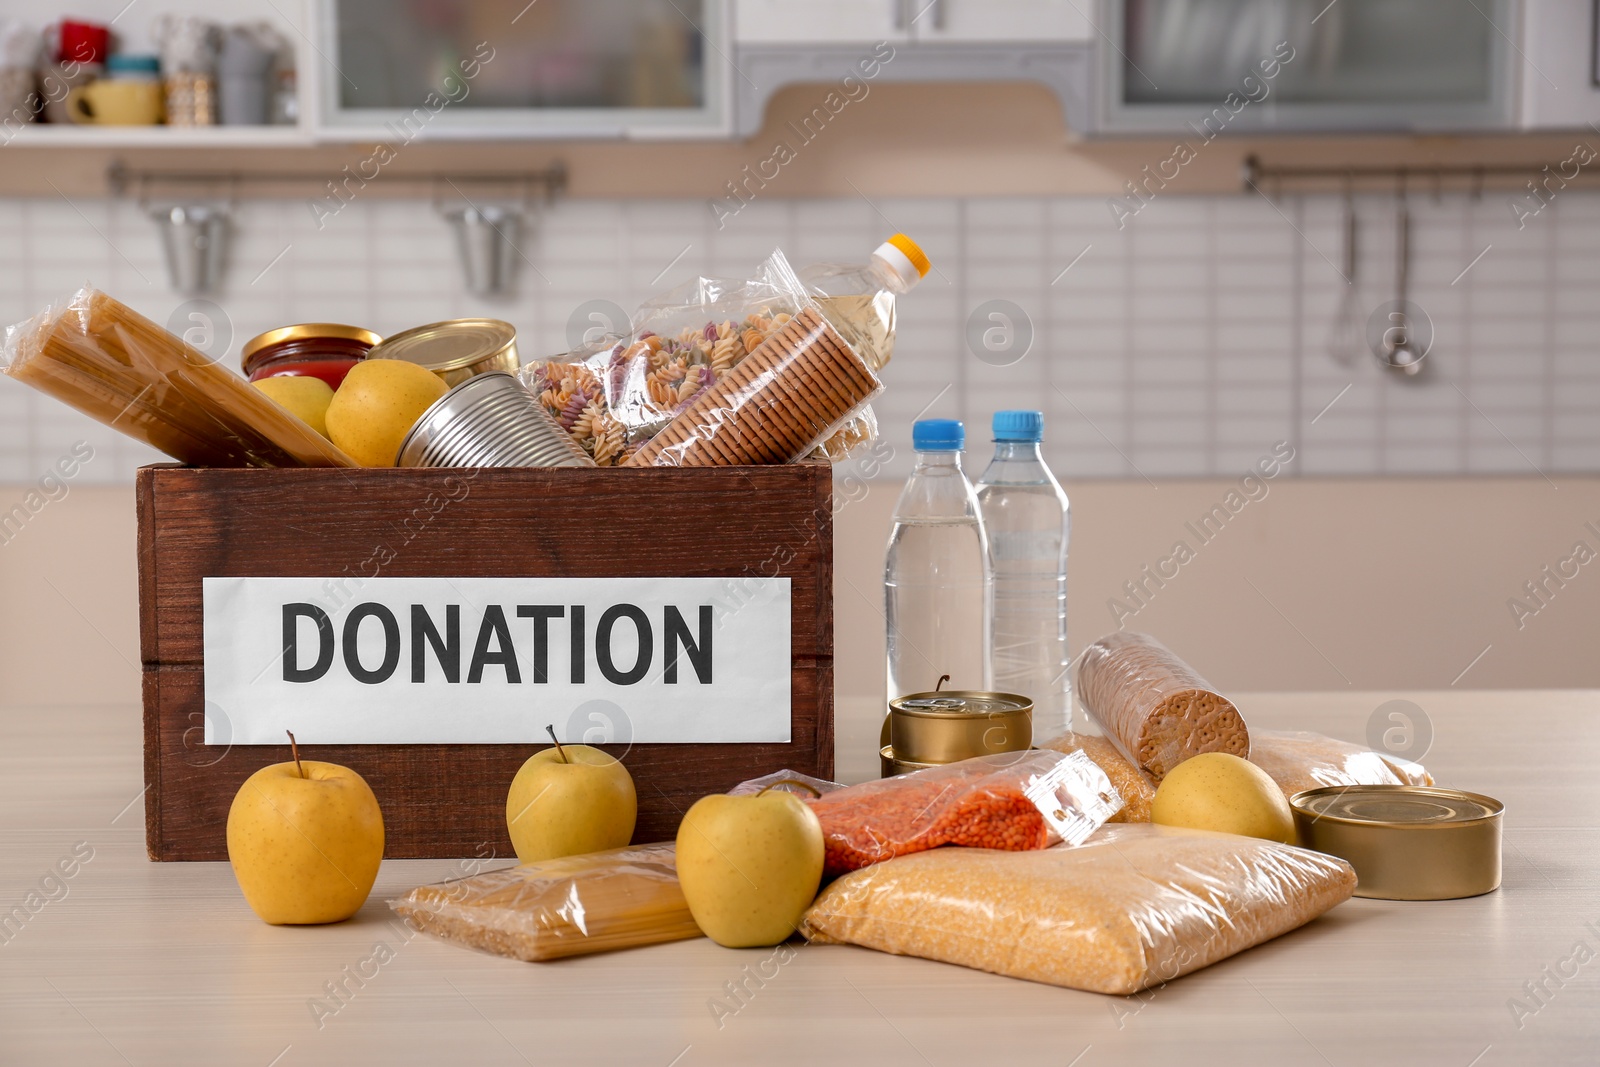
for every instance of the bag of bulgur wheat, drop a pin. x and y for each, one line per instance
(1134, 906)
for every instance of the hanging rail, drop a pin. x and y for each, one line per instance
(1581, 163)
(122, 179)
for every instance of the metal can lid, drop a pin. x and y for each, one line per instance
(960, 703)
(1398, 806)
(308, 331)
(448, 345)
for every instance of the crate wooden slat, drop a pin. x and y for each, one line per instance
(447, 800)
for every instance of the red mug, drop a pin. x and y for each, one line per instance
(83, 42)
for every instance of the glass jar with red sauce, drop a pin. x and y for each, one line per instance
(325, 350)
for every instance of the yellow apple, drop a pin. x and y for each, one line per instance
(568, 800)
(376, 406)
(749, 866)
(305, 840)
(307, 398)
(1219, 791)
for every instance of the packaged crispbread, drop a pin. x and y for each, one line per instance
(777, 404)
(1157, 708)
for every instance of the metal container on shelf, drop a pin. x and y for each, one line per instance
(956, 724)
(1406, 842)
(489, 420)
(456, 349)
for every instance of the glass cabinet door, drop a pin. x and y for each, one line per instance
(1345, 64)
(511, 67)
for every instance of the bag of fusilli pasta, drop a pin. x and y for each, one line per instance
(614, 397)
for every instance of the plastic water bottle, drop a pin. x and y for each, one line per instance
(936, 585)
(1027, 521)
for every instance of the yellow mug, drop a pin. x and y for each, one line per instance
(116, 102)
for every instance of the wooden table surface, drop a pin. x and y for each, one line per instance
(135, 962)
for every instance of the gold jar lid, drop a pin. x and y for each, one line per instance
(1406, 842)
(308, 331)
(452, 345)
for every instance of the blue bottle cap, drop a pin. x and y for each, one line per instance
(938, 435)
(1019, 426)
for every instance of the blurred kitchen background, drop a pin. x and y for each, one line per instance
(1178, 227)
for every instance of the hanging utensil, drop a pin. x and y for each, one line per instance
(1400, 349)
(1344, 334)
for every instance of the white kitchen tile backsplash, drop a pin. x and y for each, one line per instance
(1185, 344)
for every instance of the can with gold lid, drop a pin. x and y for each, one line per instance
(456, 349)
(1406, 842)
(325, 350)
(890, 766)
(958, 724)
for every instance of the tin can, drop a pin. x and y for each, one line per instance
(1406, 842)
(325, 350)
(489, 420)
(456, 349)
(890, 766)
(958, 724)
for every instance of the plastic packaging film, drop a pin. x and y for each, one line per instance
(1134, 785)
(574, 906)
(783, 400)
(1298, 761)
(1132, 907)
(1154, 705)
(116, 366)
(613, 395)
(1010, 800)
(1295, 760)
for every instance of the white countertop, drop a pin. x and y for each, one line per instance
(149, 963)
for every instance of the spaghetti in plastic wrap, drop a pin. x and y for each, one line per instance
(1009, 800)
(573, 906)
(1156, 706)
(119, 368)
(1134, 906)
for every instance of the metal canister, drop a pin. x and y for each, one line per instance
(489, 420)
(456, 349)
(891, 766)
(1406, 842)
(958, 724)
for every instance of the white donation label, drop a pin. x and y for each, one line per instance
(411, 661)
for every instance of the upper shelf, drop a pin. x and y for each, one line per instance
(48, 136)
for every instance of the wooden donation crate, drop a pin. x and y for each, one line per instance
(389, 673)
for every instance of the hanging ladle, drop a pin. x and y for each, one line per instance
(1400, 349)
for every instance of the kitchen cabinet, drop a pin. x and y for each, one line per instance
(785, 42)
(908, 21)
(778, 22)
(1559, 89)
(1355, 65)
(512, 69)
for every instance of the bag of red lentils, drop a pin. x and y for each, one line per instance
(1010, 800)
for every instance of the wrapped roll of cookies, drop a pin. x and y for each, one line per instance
(1157, 707)
(795, 388)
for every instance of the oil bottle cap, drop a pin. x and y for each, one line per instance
(906, 258)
